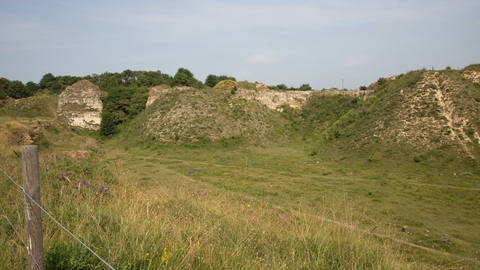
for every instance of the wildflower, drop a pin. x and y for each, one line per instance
(190, 171)
(84, 182)
(102, 190)
(46, 170)
(248, 205)
(62, 176)
(198, 192)
(75, 187)
(66, 183)
(205, 194)
(164, 257)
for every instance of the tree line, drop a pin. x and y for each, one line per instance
(125, 93)
(130, 78)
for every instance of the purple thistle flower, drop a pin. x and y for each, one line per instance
(62, 176)
(205, 194)
(75, 187)
(190, 171)
(66, 183)
(46, 170)
(84, 182)
(102, 190)
(198, 192)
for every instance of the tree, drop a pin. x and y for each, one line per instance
(107, 125)
(16, 89)
(305, 87)
(184, 77)
(211, 80)
(363, 87)
(31, 88)
(47, 80)
(4, 83)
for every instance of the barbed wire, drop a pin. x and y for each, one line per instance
(19, 238)
(57, 222)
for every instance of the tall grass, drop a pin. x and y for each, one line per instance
(180, 225)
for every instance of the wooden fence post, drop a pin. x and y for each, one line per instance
(33, 214)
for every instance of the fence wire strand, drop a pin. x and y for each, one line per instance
(19, 238)
(57, 222)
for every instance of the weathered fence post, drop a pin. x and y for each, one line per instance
(33, 214)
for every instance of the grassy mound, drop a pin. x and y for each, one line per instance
(210, 115)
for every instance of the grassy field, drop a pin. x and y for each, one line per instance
(244, 208)
(318, 191)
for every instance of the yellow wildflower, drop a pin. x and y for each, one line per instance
(164, 256)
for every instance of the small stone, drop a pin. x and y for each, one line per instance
(405, 229)
(445, 239)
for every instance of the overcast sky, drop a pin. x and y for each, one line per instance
(273, 41)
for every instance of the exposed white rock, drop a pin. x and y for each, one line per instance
(80, 103)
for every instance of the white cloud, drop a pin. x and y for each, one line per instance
(263, 58)
(357, 61)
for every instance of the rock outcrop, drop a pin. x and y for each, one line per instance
(472, 75)
(80, 103)
(273, 99)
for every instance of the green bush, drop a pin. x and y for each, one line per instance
(184, 77)
(212, 80)
(305, 87)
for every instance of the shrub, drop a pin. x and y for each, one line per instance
(184, 77)
(305, 87)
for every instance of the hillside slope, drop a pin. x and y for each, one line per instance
(428, 117)
(210, 115)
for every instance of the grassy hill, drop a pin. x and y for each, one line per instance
(197, 117)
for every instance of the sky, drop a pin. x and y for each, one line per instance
(341, 43)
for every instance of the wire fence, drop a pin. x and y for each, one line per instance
(53, 219)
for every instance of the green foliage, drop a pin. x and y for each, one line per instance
(120, 105)
(16, 89)
(69, 257)
(107, 125)
(363, 87)
(4, 83)
(56, 84)
(31, 88)
(234, 90)
(212, 80)
(381, 81)
(323, 108)
(128, 77)
(305, 87)
(47, 80)
(472, 67)
(278, 87)
(184, 77)
(246, 85)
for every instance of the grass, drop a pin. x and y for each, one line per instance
(181, 223)
(274, 207)
(325, 194)
(239, 208)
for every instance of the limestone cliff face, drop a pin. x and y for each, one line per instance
(80, 103)
(271, 98)
(472, 75)
(295, 99)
